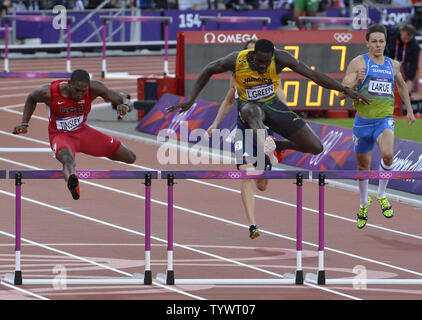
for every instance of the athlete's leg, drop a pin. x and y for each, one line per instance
(261, 184)
(303, 140)
(364, 142)
(248, 195)
(99, 144)
(123, 154)
(280, 119)
(253, 117)
(385, 142)
(65, 156)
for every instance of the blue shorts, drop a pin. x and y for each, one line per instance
(245, 148)
(366, 132)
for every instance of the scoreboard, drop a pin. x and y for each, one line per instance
(328, 51)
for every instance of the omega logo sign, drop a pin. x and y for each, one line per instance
(211, 37)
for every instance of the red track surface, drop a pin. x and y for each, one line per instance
(210, 224)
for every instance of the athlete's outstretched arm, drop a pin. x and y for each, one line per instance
(41, 94)
(403, 91)
(285, 59)
(99, 89)
(221, 65)
(355, 74)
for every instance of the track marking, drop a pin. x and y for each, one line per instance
(97, 264)
(23, 290)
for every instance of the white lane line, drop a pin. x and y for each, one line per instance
(23, 290)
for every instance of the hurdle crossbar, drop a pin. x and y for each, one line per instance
(320, 278)
(233, 19)
(126, 75)
(333, 20)
(287, 278)
(137, 278)
(34, 18)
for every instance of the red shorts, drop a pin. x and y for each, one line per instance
(86, 140)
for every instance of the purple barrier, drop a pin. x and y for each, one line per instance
(233, 174)
(84, 174)
(2, 174)
(378, 175)
(29, 75)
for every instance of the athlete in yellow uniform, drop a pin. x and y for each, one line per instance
(262, 107)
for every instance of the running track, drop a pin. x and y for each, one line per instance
(102, 234)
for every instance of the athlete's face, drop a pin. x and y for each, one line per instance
(405, 37)
(376, 44)
(262, 61)
(77, 90)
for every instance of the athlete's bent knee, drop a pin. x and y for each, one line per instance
(262, 185)
(65, 156)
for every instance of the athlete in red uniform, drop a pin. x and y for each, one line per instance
(68, 105)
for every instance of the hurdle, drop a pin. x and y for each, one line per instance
(2, 174)
(233, 19)
(30, 74)
(137, 278)
(321, 278)
(287, 278)
(126, 75)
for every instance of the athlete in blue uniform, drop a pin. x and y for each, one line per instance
(374, 75)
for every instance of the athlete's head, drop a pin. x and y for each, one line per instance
(407, 32)
(376, 36)
(263, 54)
(78, 84)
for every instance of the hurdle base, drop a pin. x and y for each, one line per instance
(289, 279)
(137, 279)
(170, 277)
(299, 277)
(147, 277)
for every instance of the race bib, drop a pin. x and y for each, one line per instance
(380, 86)
(69, 123)
(260, 92)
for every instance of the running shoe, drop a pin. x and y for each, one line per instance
(269, 149)
(254, 231)
(363, 214)
(386, 208)
(73, 186)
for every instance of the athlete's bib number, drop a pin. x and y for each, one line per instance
(70, 123)
(380, 87)
(260, 92)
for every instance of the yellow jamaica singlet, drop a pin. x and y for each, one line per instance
(252, 85)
